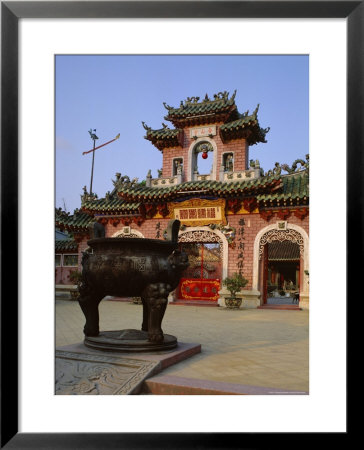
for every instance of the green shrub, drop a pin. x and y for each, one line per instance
(235, 283)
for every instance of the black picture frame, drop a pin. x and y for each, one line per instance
(11, 12)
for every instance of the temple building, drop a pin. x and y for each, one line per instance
(234, 216)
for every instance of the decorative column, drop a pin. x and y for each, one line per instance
(148, 180)
(179, 174)
(221, 173)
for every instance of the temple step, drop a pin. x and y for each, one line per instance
(281, 307)
(172, 385)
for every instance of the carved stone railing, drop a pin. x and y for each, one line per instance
(164, 182)
(202, 177)
(249, 174)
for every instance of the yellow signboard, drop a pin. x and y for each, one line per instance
(199, 212)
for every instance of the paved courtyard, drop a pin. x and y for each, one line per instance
(267, 348)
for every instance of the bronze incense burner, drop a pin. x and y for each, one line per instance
(130, 267)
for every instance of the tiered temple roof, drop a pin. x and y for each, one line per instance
(220, 109)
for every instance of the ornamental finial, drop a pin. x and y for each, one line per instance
(256, 110)
(168, 108)
(146, 126)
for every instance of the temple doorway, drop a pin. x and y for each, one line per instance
(202, 279)
(282, 273)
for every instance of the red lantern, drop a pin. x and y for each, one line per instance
(204, 155)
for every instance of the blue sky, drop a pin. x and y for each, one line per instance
(114, 94)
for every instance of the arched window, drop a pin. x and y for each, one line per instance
(201, 163)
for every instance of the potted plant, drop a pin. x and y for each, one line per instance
(75, 277)
(137, 300)
(233, 285)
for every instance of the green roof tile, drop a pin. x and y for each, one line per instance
(295, 187)
(164, 137)
(206, 187)
(246, 126)
(79, 221)
(112, 205)
(66, 245)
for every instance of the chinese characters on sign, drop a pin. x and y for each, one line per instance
(241, 246)
(203, 131)
(199, 212)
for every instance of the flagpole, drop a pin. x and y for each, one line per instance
(94, 137)
(92, 169)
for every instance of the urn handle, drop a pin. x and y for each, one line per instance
(172, 230)
(96, 230)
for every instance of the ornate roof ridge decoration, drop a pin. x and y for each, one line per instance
(86, 196)
(213, 188)
(220, 96)
(112, 204)
(192, 111)
(123, 180)
(304, 167)
(164, 137)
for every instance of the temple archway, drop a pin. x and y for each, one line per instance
(207, 253)
(278, 239)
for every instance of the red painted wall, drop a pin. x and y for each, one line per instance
(253, 224)
(63, 275)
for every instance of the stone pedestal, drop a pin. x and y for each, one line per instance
(250, 299)
(84, 371)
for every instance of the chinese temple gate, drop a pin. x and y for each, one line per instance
(235, 217)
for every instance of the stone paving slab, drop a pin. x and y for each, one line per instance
(90, 374)
(264, 348)
(84, 371)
